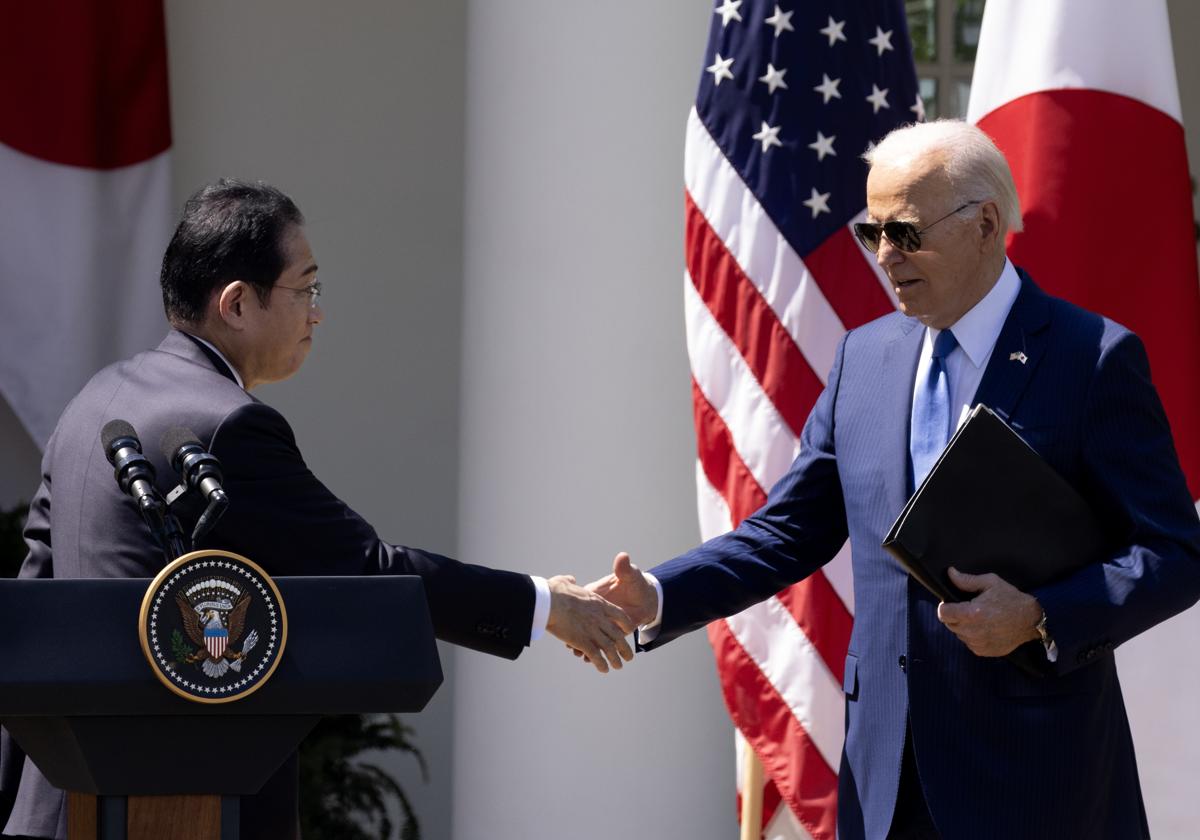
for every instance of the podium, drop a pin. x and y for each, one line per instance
(140, 762)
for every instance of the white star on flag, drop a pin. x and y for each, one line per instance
(834, 31)
(818, 203)
(882, 40)
(781, 20)
(729, 11)
(773, 79)
(878, 98)
(823, 146)
(768, 136)
(720, 69)
(918, 108)
(828, 88)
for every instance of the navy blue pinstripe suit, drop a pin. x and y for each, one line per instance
(999, 754)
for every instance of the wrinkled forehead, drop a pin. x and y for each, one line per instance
(907, 189)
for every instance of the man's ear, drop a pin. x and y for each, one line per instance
(989, 226)
(231, 303)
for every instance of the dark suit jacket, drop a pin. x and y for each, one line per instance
(1000, 754)
(280, 516)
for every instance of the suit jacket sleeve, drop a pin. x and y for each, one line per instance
(39, 561)
(282, 517)
(1134, 479)
(798, 530)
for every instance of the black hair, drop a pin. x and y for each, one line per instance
(230, 230)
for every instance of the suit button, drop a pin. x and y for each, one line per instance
(904, 663)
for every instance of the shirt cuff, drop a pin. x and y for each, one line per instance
(541, 608)
(648, 632)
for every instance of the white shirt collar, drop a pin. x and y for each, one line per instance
(228, 364)
(978, 330)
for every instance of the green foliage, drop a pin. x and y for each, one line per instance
(179, 650)
(12, 546)
(345, 799)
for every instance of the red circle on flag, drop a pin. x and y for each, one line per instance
(85, 81)
(1106, 196)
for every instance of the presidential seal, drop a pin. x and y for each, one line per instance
(213, 626)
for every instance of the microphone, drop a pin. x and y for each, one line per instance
(135, 476)
(200, 470)
(133, 472)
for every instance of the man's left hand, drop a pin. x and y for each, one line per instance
(997, 620)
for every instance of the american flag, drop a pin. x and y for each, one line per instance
(790, 96)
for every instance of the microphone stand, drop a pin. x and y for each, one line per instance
(177, 544)
(164, 526)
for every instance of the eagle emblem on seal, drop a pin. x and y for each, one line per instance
(214, 618)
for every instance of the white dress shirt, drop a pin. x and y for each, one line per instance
(976, 332)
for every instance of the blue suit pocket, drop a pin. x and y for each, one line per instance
(850, 679)
(1012, 682)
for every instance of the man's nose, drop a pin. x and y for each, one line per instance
(316, 314)
(888, 253)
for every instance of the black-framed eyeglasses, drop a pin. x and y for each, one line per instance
(313, 290)
(904, 235)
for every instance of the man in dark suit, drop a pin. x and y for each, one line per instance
(241, 293)
(943, 737)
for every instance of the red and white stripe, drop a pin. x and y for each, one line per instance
(216, 645)
(762, 330)
(84, 195)
(1081, 97)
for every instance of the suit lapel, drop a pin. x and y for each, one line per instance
(895, 396)
(1017, 352)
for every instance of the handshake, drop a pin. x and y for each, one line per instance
(594, 620)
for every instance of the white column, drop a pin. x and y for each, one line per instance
(577, 433)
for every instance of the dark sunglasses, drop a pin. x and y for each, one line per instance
(904, 235)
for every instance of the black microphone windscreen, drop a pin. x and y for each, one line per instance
(113, 430)
(175, 437)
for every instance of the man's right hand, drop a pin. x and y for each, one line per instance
(588, 624)
(628, 588)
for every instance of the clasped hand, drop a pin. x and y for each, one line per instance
(594, 620)
(589, 624)
(998, 620)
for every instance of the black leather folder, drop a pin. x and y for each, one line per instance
(991, 504)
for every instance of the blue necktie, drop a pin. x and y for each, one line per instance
(931, 420)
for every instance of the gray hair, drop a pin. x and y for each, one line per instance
(975, 167)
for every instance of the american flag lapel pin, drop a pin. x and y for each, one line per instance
(1018, 356)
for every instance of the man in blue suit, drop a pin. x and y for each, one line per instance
(943, 737)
